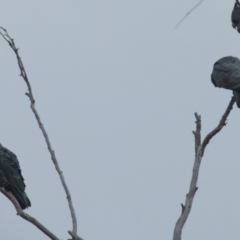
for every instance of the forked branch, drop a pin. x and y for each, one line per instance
(199, 151)
(23, 74)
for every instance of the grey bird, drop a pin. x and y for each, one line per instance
(11, 177)
(226, 74)
(236, 16)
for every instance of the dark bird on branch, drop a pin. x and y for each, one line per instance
(236, 16)
(226, 74)
(11, 178)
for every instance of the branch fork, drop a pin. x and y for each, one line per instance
(29, 94)
(199, 152)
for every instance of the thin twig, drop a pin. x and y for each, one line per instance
(221, 124)
(199, 150)
(71, 234)
(26, 216)
(23, 74)
(188, 13)
(193, 185)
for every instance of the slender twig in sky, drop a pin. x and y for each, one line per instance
(188, 13)
(199, 151)
(23, 74)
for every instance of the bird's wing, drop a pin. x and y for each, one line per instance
(11, 168)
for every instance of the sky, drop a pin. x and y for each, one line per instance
(116, 87)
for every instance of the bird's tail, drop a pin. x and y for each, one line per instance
(20, 195)
(237, 97)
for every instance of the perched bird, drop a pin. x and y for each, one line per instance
(236, 16)
(11, 178)
(226, 74)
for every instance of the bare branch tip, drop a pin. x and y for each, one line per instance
(27, 94)
(197, 116)
(4, 29)
(188, 13)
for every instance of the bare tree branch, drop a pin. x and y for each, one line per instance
(199, 150)
(191, 10)
(219, 127)
(197, 133)
(193, 185)
(23, 74)
(71, 234)
(26, 216)
(188, 13)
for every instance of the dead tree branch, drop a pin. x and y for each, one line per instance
(26, 216)
(71, 234)
(188, 13)
(191, 10)
(219, 127)
(199, 150)
(23, 74)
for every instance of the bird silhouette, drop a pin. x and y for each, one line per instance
(236, 16)
(226, 74)
(11, 177)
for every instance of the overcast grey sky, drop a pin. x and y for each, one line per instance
(117, 87)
